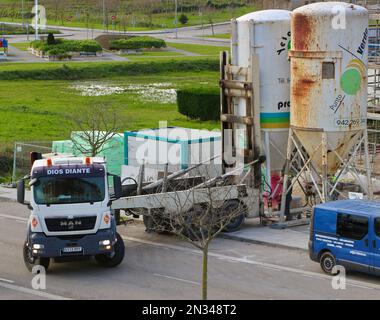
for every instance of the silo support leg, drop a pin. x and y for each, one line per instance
(367, 166)
(324, 168)
(286, 176)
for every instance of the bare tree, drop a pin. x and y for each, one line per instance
(198, 214)
(148, 7)
(94, 126)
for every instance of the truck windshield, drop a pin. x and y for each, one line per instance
(56, 190)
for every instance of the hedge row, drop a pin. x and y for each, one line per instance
(101, 70)
(137, 43)
(199, 103)
(63, 46)
(7, 29)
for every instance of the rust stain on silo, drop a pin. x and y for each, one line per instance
(304, 85)
(302, 28)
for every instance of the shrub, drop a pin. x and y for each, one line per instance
(137, 43)
(58, 53)
(102, 70)
(199, 103)
(89, 46)
(55, 52)
(67, 45)
(6, 161)
(183, 18)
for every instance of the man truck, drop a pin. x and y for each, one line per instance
(71, 212)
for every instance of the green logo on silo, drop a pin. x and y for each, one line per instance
(351, 79)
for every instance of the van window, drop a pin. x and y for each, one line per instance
(377, 226)
(351, 226)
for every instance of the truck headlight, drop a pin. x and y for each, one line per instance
(104, 243)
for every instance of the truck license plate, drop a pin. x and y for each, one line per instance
(72, 249)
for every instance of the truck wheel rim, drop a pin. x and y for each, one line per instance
(29, 256)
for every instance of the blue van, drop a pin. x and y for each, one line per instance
(346, 233)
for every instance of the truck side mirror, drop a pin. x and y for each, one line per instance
(35, 156)
(117, 188)
(21, 191)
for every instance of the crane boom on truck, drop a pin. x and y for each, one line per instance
(71, 213)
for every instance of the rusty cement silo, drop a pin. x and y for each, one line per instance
(329, 57)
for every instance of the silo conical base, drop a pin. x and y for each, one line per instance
(309, 153)
(338, 145)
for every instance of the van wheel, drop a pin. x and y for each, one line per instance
(110, 260)
(327, 262)
(30, 261)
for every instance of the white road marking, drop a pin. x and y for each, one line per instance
(360, 286)
(178, 279)
(319, 276)
(6, 280)
(37, 293)
(13, 217)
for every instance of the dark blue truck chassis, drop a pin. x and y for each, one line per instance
(53, 246)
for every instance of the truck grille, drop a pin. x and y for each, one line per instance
(75, 224)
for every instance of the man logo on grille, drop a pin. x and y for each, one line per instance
(70, 224)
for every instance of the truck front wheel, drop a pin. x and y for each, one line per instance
(31, 262)
(110, 260)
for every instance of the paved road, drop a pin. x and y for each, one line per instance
(182, 33)
(162, 267)
(189, 35)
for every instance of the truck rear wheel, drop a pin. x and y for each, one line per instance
(235, 208)
(31, 262)
(157, 224)
(114, 259)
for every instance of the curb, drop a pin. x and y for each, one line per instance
(260, 242)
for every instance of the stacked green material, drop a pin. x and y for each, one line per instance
(112, 151)
(63, 146)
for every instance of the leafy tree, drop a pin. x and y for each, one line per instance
(183, 18)
(50, 39)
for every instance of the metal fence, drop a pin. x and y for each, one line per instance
(21, 157)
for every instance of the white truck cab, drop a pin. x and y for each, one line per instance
(71, 214)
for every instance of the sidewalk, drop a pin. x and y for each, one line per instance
(295, 238)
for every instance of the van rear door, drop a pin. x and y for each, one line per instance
(354, 251)
(375, 245)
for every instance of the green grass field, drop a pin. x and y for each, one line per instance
(154, 54)
(158, 20)
(38, 113)
(21, 45)
(219, 36)
(198, 48)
